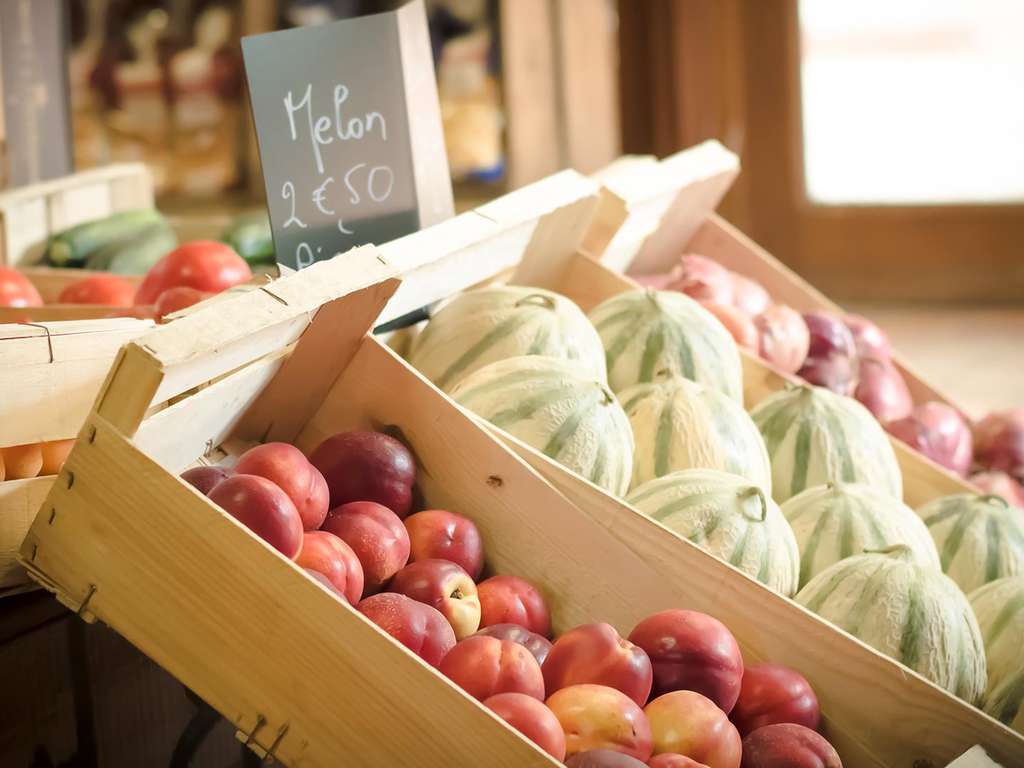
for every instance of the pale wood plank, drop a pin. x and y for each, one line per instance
(667, 202)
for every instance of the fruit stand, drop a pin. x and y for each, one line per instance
(247, 380)
(207, 513)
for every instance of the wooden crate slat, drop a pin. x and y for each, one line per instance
(29, 215)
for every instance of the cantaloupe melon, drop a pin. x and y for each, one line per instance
(550, 406)
(679, 424)
(911, 612)
(979, 537)
(728, 516)
(815, 436)
(839, 520)
(646, 332)
(486, 325)
(999, 608)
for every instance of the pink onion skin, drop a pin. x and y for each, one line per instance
(1001, 484)
(783, 337)
(999, 442)
(882, 390)
(749, 296)
(939, 432)
(835, 372)
(740, 327)
(704, 279)
(829, 336)
(871, 341)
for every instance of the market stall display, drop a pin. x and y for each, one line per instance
(255, 367)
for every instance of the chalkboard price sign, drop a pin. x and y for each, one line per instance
(349, 131)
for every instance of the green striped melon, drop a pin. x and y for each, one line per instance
(815, 436)
(1006, 702)
(679, 424)
(839, 520)
(645, 332)
(911, 612)
(728, 516)
(548, 404)
(999, 608)
(483, 326)
(979, 538)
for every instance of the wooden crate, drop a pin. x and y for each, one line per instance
(130, 544)
(710, 235)
(49, 376)
(667, 200)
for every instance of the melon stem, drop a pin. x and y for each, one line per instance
(901, 549)
(537, 299)
(755, 491)
(994, 498)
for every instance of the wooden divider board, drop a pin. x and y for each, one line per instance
(29, 215)
(130, 544)
(49, 376)
(667, 200)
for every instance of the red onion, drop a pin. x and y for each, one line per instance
(740, 326)
(999, 441)
(939, 432)
(832, 357)
(1001, 484)
(704, 279)
(882, 390)
(749, 296)
(784, 339)
(871, 341)
(829, 337)
(836, 373)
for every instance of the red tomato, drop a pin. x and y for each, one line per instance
(110, 290)
(203, 265)
(17, 291)
(177, 298)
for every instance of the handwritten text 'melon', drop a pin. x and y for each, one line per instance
(323, 130)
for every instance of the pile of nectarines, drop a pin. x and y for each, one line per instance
(675, 692)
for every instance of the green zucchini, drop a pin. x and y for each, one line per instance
(72, 247)
(250, 236)
(135, 254)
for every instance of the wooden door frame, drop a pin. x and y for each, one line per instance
(864, 252)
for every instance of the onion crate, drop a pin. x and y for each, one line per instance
(654, 249)
(303, 677)
(49, 376)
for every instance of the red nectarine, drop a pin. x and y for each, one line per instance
(788, 745)
(536, 644)
(447, 587)
(377, 537)
(531, 718)
(203, 479)
(442, 535)
(367, 466)
(599, 717)
(692, 651)
(595, 653)
(327, 554)
(686, 723)
(417, 626)
(772, 693)
(511, 600)
(263, 508)
(484, 666)
(286, 466)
